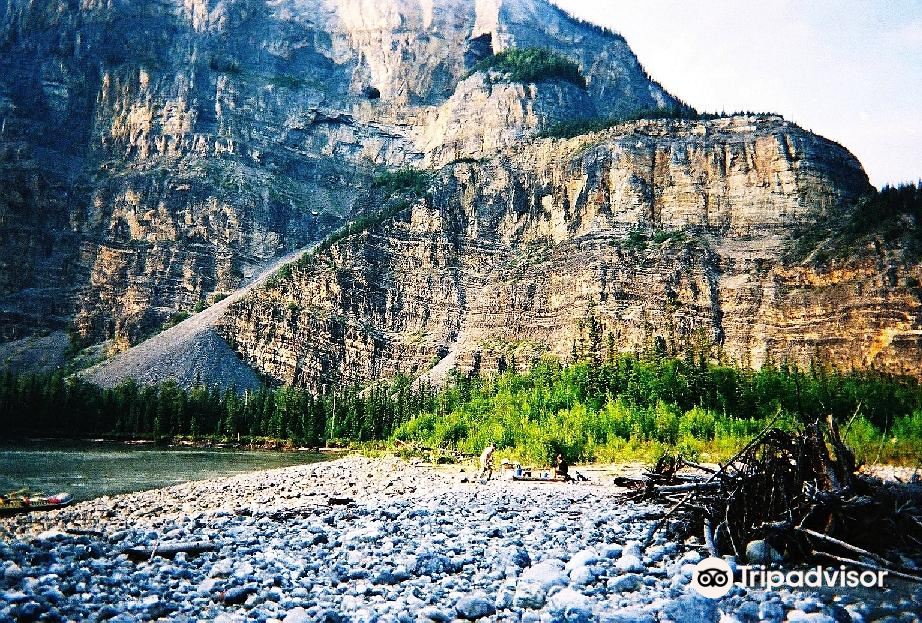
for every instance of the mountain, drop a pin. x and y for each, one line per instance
(156, 155)
(152, 152)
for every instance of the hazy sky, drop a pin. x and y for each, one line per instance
(850, 70)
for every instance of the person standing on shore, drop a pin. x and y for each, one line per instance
(562, 469)
(486, 462)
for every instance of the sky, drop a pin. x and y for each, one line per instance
(850, 70)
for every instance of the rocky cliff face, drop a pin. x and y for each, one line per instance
(661, 235)
(154, 154)
(151, 153)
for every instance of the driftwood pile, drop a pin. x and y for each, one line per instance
(801, 495)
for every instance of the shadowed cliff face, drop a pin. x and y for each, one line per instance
(660, 235)
(152, 153)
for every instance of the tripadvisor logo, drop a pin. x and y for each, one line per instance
(713, 577)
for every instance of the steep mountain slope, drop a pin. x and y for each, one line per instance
(190, 352)
(662, 235)
(152, 152)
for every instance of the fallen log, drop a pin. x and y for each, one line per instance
(168, 550)
(691, 486)
(78, 532)
(867, 565)
(648, 538)
(847, 546)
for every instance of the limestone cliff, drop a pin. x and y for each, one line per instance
(152, 153)
(654, 234)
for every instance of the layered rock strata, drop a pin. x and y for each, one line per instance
(665, 235)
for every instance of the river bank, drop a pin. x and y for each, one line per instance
(414, 544)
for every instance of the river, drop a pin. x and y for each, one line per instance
(92, 469)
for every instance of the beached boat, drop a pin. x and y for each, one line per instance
(17, 504)
(514, 471)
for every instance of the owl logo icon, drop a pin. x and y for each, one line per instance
(712, 578)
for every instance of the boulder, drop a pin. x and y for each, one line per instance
(546, 573)
(474, 606)
(759, 552)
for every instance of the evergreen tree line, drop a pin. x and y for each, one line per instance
(52, 404)
(579, 409)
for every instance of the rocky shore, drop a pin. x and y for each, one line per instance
(414, 545)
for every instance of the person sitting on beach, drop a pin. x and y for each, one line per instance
(562, 468)
(486, 462)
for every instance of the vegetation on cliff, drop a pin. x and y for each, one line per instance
(393, 191)
(625, 408)
(578, 127)
(529, 65)
(886, 219)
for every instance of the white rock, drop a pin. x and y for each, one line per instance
(570, 606)
(503, 599)
(581, 576)
(632, 614)
(633, 548)
(582, 558)
(474, 606)
(546, 573)
(799, 616)
(629, 563)
(221, 568)
(612, 551)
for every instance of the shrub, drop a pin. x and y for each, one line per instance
(224, 65)
(698, 423)
(175, 318)
(529, 65)
(666, 424)
(909, 426)
(402, 180)
(636, 240)
(863, 439)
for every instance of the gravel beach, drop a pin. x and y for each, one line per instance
(415, 544)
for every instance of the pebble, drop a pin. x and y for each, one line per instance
(415, 545)
(625, 583)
